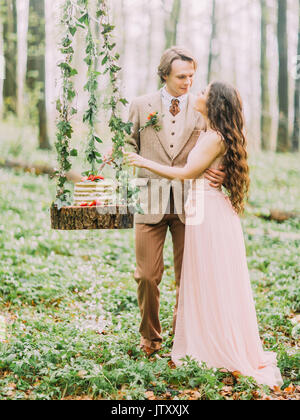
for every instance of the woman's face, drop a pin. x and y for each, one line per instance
(202, 97)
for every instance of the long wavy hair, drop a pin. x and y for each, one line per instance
(225, 114)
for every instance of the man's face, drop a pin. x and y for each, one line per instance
(181, 78)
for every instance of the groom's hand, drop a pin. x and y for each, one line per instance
(216, 177)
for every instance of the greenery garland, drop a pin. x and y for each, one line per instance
(64, 106)
(90, 116)
(120, 129)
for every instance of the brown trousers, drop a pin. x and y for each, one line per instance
(150, 241)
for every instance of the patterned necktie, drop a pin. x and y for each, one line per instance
(174, 109)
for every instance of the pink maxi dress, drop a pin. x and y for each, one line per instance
(216, 319)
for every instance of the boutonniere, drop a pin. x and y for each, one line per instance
(153, 121)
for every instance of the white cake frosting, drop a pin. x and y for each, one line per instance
(102, 191)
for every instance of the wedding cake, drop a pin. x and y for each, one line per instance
(88, 192)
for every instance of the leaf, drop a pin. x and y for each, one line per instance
(73, 30)
(74, 152)
(58, 105)
(100, 13)
(150, 395)
(84, 19)
(105, 59)
(74, 72)
(124, 101)
(236, 374)
(112, 46)
(290, 389)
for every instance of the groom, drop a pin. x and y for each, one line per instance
(167, 141)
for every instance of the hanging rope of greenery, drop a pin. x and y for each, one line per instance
(64, 106)
(93, 156)
(118, 127)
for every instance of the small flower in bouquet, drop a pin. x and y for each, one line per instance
(153, 121)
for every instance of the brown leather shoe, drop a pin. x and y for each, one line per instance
(148, 351)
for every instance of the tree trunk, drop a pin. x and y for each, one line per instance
(296, 131)
(22, 56)
(212, 41)
(10, 55)
(266, 120)
(171, 23)
(36, 66)
(283, 129)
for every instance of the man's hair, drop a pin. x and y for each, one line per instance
(170, 55)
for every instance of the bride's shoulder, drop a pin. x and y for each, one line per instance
(212, 139)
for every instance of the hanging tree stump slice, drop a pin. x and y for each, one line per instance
(87, 218)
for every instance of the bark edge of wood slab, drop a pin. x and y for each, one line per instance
(88, 218)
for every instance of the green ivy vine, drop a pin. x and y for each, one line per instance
(93, 156)
(119, 128)
(64, 106)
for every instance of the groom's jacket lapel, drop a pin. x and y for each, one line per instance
(155, 105)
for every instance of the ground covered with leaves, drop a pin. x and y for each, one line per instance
(69, 301)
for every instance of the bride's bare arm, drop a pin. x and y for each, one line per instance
(210, 147)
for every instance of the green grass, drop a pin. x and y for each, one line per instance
(69, 298)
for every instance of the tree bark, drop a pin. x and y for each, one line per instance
(171, 23)
(23, 8)
(36, 66)
(266, 120)
(211, 56)
(296, 131)
(10, 55)
(283, 144)
(87, 218)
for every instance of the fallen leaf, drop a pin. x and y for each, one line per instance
(290, 389)
(150, 395)
(236, 374)
(171, 364)
(228, 381)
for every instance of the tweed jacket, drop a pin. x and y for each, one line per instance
(152, 144)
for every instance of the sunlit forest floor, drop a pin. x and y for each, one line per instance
(69, 298)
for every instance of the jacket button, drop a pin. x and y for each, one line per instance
(173, 134)
(171, 145)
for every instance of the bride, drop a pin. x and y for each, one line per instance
(216, 321)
